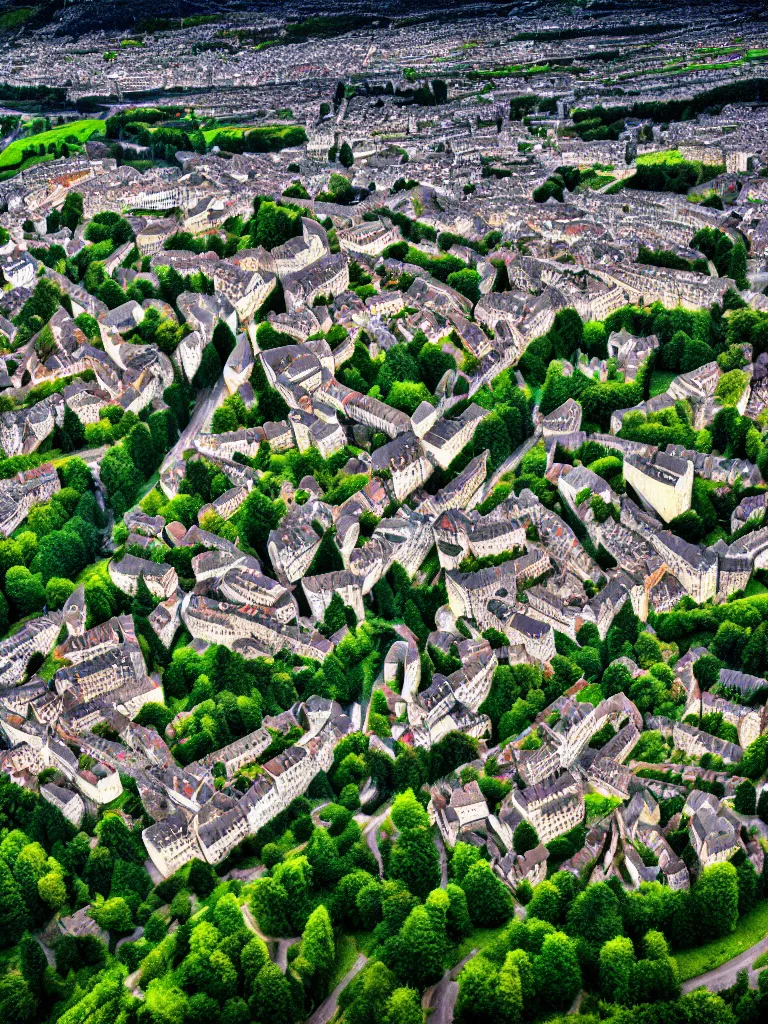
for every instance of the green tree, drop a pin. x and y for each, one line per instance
(318, 950)
(25, 590)
(595, 915)
(745, 798)
(715, 901)
(616, 964)
(346, 156)
(737, 265)
(419, 950)
(114, 915)
(14, 917)
(557, 971)
(567, 333)
(477, 1001)
(271, 1002)
(466, 282)
(458, 923)
(510, 992)
(404, 1007)
(415, 861)
(546, 903)
(525, 838)
(488, 899)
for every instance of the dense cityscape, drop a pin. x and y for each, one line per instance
(383, 513)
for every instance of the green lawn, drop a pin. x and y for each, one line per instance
(750, 930)
(591, 694)
(755, 587)
(598, 806)
(478, 938)
(346, 954)
(660, 381)
(81, 130)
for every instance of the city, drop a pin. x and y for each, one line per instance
(383, 513)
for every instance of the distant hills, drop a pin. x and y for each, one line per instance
(78, 17)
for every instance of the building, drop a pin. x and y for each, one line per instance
(663, 481)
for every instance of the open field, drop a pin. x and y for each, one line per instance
(81, 130)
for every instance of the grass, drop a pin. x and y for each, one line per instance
(591, 694)
(660, 381)
(755, 587)
(598, 806)
(478, 938)
(15, 19)
(762, 961)
(749, 931)
(669, 158)
(346, 954)
(81, 130)
(96, 571)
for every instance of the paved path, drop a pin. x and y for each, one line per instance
(371, 833)
(327, 1009)
(441, 998)
(281, 953)
(509, 464)
(133, 937)
(443, 860)
(244, 874)
(205, 406)
(725, 975)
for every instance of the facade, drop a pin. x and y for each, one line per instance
(664, 482)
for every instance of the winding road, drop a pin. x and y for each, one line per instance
(725, 975)
(441, 999)
(327, 1008)
(371, 833)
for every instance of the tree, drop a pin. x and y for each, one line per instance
(14, 917)
(745, 798)
(616, 964)
(318, 950)
(271, 1002)
(32, 961)
(510, 992)
(114, 915)
(737, 265)
(567, 332)
(477, 1001)
(715, 901)
(72, 211)
(252, 958)
(546, 903)
(25, 590)
(707, 671)
(415, 861)
(458, 924)
(557, 971)
(209, 370)
(407, 812)
(404, 1007)
(466, 282)
(594, 915)
(223, 340)
(525, 838)
(419, 950)
(346, 156)
(17, 1001)
(488, 899)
